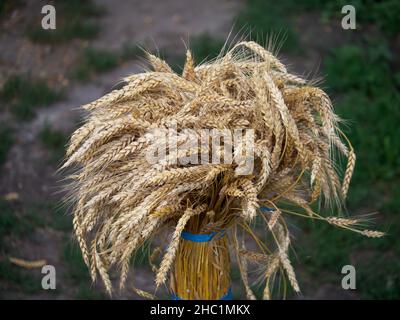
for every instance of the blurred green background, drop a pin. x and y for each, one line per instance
(46, 74)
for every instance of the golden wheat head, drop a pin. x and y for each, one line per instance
(121, 200)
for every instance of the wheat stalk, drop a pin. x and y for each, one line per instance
(122, 200)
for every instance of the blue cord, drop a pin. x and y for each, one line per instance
(200, 237)
(266, 209)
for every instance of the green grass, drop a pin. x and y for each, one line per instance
(366, 68)
(79, 273)
(205, 47)
(24, 280)
(7, 6)
(72, 257)
(384, 14)
(12, 222)
(366, 89)
(52, 214)
(141, 258)
(86, 292)
(368, 96)
(24, 94)
(73, 21)
(264, 17)
(8, 221)
(16, 223)
(54, 141)
(6, 142)
(60, 220)
(130, 51)
(379, 278)
(326, 250)
(95, 60)
(21, 221)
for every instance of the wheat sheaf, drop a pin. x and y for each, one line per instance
(121, 200)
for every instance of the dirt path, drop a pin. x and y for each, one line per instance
(165, 23)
